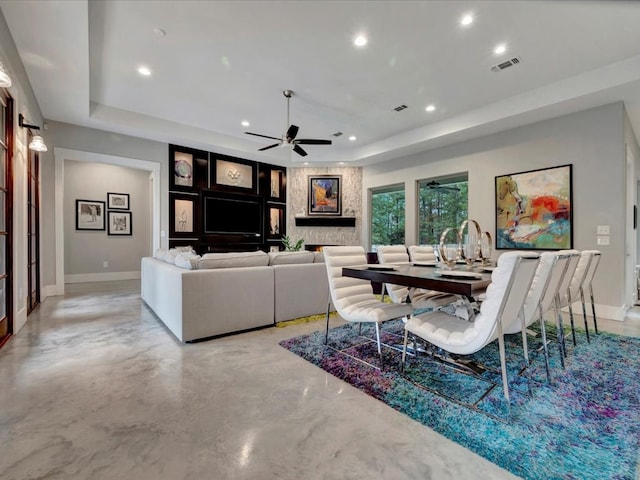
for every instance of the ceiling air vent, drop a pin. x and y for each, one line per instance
(337, 134)
(399, 108)
(509, 63)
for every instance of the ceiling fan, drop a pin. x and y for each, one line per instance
(433, 185)
(289, 138)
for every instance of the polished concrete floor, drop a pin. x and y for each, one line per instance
(94, 387)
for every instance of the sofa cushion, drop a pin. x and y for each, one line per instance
(233, 259)
(318, 257)
(287, 258)
(188, 260)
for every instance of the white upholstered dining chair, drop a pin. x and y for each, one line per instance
(541, 299)
(418, 297)
(353, 298)
(505, 297)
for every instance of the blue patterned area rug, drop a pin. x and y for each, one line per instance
(585, 425)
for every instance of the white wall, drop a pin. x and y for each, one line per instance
(86, 250)
(591, 140)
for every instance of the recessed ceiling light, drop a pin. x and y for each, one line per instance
(466, 20)
(306, 163)
(500, 49)
(360, 41)
(340, 163)
(353, 138)
(245, 123)
(144, 71)
(430, 108)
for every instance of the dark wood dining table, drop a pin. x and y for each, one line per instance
(427, 277)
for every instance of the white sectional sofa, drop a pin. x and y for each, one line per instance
(226, 293)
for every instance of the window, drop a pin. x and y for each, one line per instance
(441, 204)
(387, 216)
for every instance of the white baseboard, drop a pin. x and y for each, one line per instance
(47, 291)
(610, 312)
(101, 277)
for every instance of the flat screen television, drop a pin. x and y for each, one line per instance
(233, 216)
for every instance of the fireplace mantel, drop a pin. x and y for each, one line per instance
(325, 221)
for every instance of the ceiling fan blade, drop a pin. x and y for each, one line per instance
(312, 141)
(268, 147)
(299, 150)
(292, 132)
(263, 136)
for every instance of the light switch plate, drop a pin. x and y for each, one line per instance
(603, 240)
(603, 230)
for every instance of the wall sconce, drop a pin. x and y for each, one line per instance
(5, 80)
(37, 143)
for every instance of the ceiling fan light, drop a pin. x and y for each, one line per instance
(37, 144)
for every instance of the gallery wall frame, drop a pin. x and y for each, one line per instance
(90, 215)
(119, 223)
(183, 210)
(325, 195)
(117, 201)
(534, 209)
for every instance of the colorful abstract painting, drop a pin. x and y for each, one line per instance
(533, 210)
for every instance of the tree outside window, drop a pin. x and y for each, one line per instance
(440, 206)
(387, 217)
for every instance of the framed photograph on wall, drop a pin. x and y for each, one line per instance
(119, 223)
(182, 215)
(117, 201)
(90, 215)
(534, 209)
(325, 195)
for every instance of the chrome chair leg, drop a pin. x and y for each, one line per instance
(525, 350)
(503, 368)
(379, 344)
(584, 312)
(543, 333)
(326, 335)
(560, 331)
(573, 330)
(404, 349)
(593, 308)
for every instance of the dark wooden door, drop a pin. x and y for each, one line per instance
(6, 209)
(33, 229)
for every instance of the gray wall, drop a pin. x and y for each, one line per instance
(591, 140)
(73, 137)
(86, 250)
